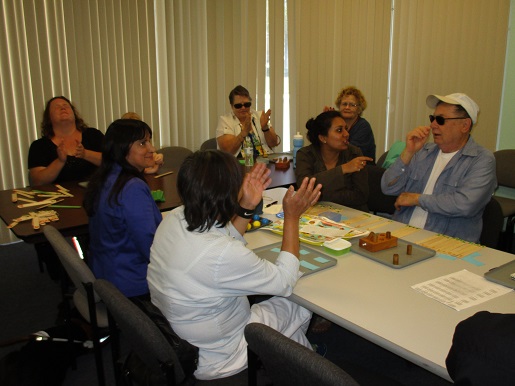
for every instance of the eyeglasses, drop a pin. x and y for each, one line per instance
(345, 104)
(441, 120)
(238, 106)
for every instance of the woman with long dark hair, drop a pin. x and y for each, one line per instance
(123, 214)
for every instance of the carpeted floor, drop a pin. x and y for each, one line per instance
(29, 302)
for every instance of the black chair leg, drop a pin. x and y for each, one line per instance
(252, 360)
(115, 348)
(97, 349)
(65, 282)
(510, 228)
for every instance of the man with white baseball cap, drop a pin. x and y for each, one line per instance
(443, 186)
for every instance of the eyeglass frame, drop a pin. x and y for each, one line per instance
(345, 104)
(441, 120)
(238, 106)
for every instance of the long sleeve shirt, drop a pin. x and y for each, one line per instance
(200, 281)
(121, 235)
(460, 194)
(350, 189)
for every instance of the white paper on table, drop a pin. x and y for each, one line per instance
(273, 209)
(460, 290)
(272, 195)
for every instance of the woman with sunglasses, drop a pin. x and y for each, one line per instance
(351, 102)
(244, 127)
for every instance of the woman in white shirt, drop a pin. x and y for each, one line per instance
(201, 272)
(244, 127)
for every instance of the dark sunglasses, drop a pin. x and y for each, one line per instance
(441, 120)
(240, 105)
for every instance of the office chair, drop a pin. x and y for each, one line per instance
(174, 156)
(209, 144)
(86, 301)
(378, 202)
(288, 362)
(380, 160)
(144, 337)
(493, 222)
(505, 159)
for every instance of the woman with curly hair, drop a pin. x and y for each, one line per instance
(351, 102)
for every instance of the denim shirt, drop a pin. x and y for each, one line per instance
(460, 194)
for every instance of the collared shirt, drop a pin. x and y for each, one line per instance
(230, 124)
(463, 189)
(200, 281)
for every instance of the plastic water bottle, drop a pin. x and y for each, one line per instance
(298, 142)
(249, 158)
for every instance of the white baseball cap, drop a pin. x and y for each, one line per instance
(456, 99)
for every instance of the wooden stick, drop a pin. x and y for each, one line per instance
(44, 202)
(164, 174)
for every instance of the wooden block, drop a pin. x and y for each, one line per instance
(377, 242)
(395, 259)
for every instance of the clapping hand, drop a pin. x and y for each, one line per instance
(61, 152)
(79, 150)
(265, 118)
(297, 202)
(254, 183)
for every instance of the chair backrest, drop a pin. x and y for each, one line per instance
(209, 144)
(290, 363)
(141, 333)
(493, 223)
(504, 160)
(381, 159)
(378, 202)
(174, 156)
(79, 273)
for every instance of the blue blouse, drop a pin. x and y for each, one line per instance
(121, 235)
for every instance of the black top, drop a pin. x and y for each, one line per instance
(43, 152)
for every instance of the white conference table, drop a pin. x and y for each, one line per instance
(377, 302)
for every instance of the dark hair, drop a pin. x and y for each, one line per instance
(239, 90)
(208, 184)
(120, 136)
(46, 124)
(321, 125)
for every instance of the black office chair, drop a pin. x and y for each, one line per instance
(209, 144)
(493, 223)
(289, 363)
(378, 202)
(381, 159)
(505, 159)
(85, 299)
(173, 156)
(149, 346)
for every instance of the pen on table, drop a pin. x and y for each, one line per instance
(164, 174)
(66, 206)
(272, 203)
